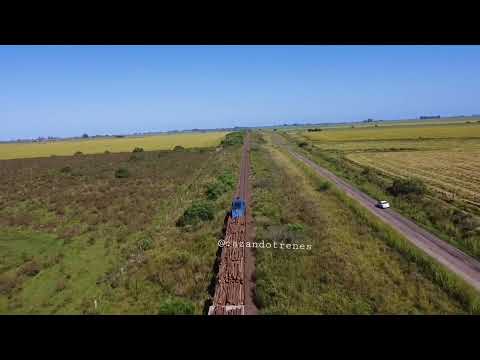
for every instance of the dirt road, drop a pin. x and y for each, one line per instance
(458, 262)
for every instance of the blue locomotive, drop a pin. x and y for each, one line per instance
(238, 208)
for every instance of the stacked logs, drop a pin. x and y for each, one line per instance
(229, 298)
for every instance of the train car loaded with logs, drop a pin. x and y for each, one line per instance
(229, 298)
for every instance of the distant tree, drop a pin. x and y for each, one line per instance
(85, 136)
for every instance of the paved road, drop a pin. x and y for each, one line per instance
(465, 266)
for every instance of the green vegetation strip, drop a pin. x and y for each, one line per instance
(450, 282)
(349, 269)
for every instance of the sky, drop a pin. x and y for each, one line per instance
(70, 90)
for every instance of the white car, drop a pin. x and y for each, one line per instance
(382, 204)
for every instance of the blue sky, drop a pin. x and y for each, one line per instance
(69, 90)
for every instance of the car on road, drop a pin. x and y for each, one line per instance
(382, 204)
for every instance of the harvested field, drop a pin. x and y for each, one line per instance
(448, 172)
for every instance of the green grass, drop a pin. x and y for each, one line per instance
(352, 267)
(114, 241)
(451, 283)
(97, 146)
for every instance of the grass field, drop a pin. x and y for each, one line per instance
(351, 268)
(75, 238)
(397, 132)
(95, 146)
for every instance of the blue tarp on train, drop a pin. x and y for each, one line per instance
(238, 208)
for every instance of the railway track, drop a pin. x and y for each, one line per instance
(231, 288)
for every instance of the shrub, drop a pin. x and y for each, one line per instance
(122, 173)
(66, 169)
(106, 152)
(145, 244)
(407, 187)
(78, 153)
(323, 186)
(176, 306)
(463, 221)
(178, 148)
(138, 149)
(197, 212)
(224, 183)
(214, 191)
(366, 171)
(31, 268)
(227, 179)
(295, 227)
(235, 138)
(303, 144)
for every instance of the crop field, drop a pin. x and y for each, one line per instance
(397, 132)
(398, 145)
(350, 269)
(454, 173)
(96, 146)
(112, 233)
(443, 157)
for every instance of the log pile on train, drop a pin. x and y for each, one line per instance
(229, 298)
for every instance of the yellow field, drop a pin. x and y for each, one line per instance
(390, 145)
(93, 146)
(446, 171)
(397, 132)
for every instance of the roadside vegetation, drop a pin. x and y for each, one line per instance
(355, 265)
(434, 182)
(99, 234)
